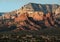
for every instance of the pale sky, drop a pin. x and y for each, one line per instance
(10, 5)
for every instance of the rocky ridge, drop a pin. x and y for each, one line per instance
(35, 16)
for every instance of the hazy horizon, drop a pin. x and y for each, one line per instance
(10, 5)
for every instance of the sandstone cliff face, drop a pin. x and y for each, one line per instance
(22, 17)
(39, 16)
(36, 16)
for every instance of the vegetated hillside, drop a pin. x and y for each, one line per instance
(33, 17)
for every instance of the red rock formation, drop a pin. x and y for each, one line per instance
(34, 17)
(22, 17)
(38, 16)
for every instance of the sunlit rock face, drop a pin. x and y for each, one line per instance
(57, 15)
(38, 16)
(34, 16)
(57, 12)
(22, 17)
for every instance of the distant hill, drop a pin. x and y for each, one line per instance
(34, 16)
(1, 13)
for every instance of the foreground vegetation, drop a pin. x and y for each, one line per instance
(28, 36)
